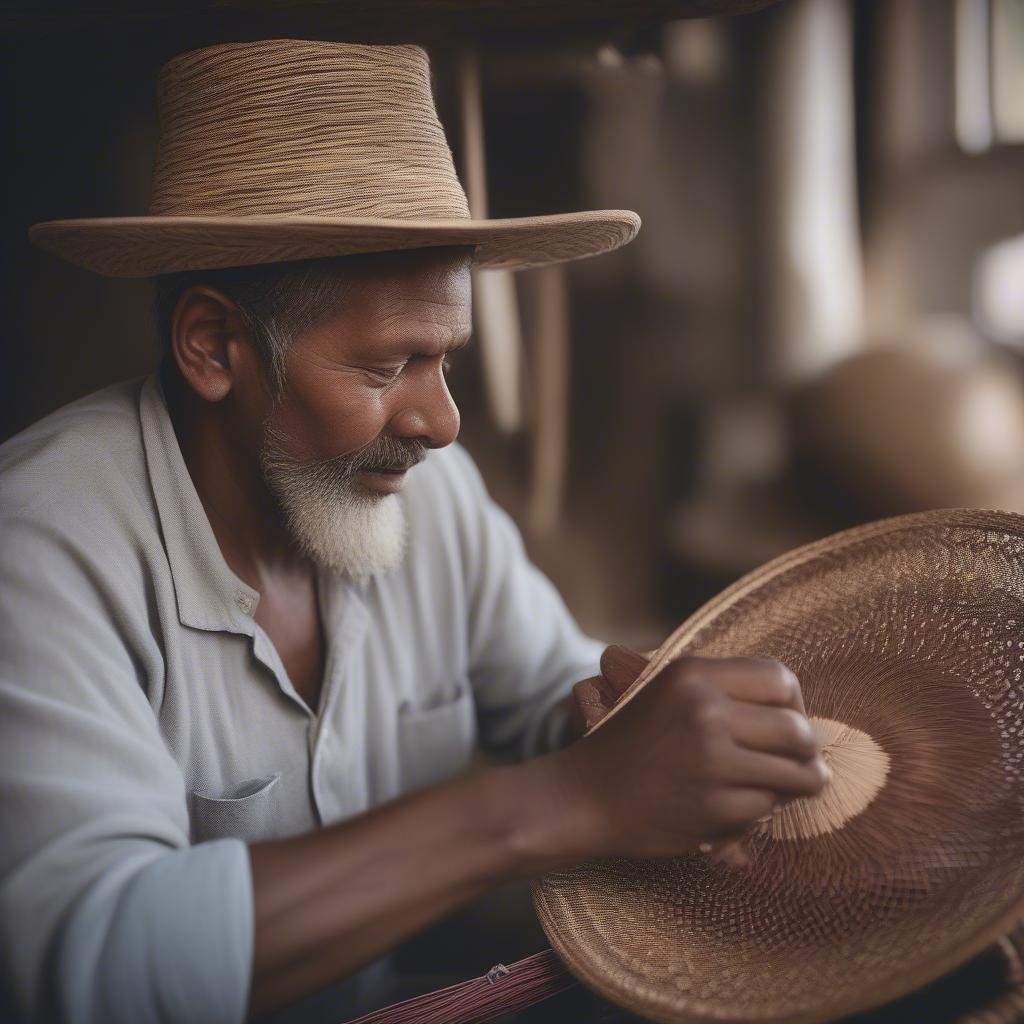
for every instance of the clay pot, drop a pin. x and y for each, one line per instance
(938, 423)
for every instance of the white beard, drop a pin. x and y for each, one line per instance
(336, 524)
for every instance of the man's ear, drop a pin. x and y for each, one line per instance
(208, 338)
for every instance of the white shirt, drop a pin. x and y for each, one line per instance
(148, 729)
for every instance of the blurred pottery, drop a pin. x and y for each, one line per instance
(937, 422)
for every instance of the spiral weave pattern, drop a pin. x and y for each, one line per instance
(910, 633)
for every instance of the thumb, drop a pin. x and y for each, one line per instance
(620, 666)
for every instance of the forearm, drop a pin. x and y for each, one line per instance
(329, 902)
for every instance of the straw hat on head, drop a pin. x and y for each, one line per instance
(285, 150)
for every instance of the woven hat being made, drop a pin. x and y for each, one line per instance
(908, 639)
(284, 150)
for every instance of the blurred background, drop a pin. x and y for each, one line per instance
(821, 322)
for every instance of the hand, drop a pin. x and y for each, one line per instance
(709, 747)
(593, 698)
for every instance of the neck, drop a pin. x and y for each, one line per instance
(245, 516)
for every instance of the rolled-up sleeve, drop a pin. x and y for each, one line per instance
(525, 648)
(106, 912)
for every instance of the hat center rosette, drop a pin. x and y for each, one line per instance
(859, 769)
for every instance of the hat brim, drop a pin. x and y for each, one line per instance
(148, 246)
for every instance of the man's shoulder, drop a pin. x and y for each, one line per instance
(84, 457)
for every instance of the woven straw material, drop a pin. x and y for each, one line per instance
(282, 150)
(910, 632)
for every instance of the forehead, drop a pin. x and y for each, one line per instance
(422, 296)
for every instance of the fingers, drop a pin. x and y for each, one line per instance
(593, 698)
(773, 730)
(779, 774)
(576, 723)
(620, 667)
(754, 681)
(739, 807)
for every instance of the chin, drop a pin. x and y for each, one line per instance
(357, 536)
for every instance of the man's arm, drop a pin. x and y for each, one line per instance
(106, 912)
(505, 824)
(329, 902)
(705, 750)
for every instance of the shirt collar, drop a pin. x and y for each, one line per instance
(210, 596)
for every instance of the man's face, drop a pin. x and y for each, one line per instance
(377, 368)
(365, 398)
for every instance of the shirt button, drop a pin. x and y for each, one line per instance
(246, 602)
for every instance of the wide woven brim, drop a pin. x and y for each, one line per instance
(147, 246)
(912, 631)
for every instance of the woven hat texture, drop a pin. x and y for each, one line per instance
(908, 638)
(284, 149)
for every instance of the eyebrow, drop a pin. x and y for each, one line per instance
(419, 344)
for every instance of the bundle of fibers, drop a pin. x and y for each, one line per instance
(502, 990)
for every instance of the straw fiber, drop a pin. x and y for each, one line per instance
(908, 639)
(283, 149)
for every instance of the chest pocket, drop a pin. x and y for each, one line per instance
(436, 737)
(248, 812)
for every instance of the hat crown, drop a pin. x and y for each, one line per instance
(292, 127)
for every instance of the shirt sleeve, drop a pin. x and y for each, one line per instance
(525, 649)
(106, 912)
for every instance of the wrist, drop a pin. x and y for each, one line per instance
(544, 821)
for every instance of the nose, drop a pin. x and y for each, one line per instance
(428, 412)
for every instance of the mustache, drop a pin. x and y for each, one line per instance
(384, 455)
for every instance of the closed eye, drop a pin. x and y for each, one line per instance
(385, 374)
(389, 374)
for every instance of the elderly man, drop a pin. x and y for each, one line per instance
(257, 610)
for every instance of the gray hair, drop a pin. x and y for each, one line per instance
(278, 301)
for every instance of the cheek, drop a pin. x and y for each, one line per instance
(332, 418)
